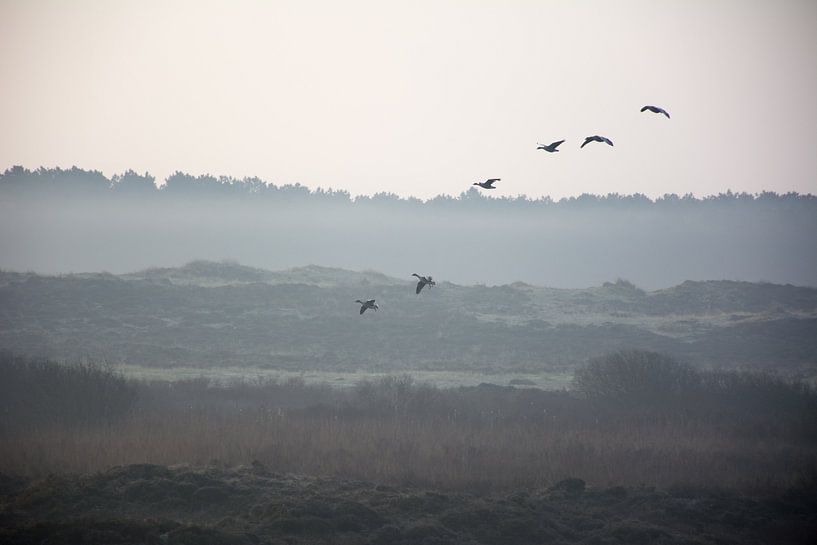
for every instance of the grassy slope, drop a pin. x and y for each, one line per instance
(218, 314)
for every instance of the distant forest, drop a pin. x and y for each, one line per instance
(56, 221)
(83, 183)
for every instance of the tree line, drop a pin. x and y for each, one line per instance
(75, 181)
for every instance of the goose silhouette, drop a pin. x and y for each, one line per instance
(550, 147)
(487, 184)
(597, 138)
(655, 110)
(366, 305)
(424, 281)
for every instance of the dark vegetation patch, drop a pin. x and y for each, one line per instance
(36, 391)
(639, 380)
(275, 508)
(521, 382)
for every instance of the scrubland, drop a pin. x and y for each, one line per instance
(641, 449)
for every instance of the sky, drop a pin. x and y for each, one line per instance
(418, 98)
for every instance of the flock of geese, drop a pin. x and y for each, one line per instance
(423, 281)
(553, 147)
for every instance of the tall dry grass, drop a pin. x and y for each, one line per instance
(397, 432)
(432, 451)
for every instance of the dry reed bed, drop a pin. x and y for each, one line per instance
(433, 451)
(662, 424)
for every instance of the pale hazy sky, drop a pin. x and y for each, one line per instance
(418, 98)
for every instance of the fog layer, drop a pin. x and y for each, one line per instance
(56, 221)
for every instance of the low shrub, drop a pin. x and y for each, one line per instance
(637, 377)
(41, 391)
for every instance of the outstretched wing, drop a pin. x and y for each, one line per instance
(656, 110)
(420, 285)
(586, 141)
(363, 309)
(556, 144)
(607, 140)
(492, 180)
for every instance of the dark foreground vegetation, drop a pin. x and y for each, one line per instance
(641, 450)
(252, 504)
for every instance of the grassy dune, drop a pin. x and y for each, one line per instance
(216, 316)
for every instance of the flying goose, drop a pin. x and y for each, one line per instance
(550, 147)
(597, 138)
(366, 304)
(424, 281)
(655, 110)
(487, 184)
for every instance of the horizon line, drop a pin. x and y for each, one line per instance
(234, 263)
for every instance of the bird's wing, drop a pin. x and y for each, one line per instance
(586, 141)
(492, 180)
(363, 309)
(420, 286)
(645, 108)
(557, 144)
(666, 113)
(607, 140)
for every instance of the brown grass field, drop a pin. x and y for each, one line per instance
(399, 433)
(436, 453)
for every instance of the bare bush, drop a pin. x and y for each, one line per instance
(638, 377)
(40, 392)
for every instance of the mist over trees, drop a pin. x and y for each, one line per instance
(55, 221)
